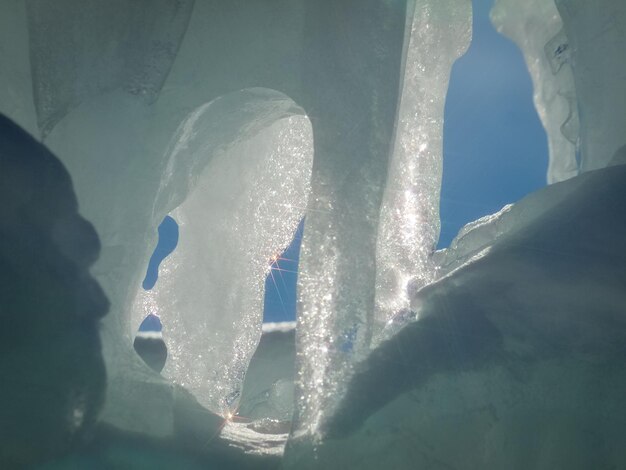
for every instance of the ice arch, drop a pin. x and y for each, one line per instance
(107, 85)
(237, 182)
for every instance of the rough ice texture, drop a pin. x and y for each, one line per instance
(241, 210)
(516, 359)
(114, 81)
(536, 27)
(597, 33)
(353, 123)
(440, 31)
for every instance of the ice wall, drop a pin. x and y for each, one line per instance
(597, 34)
(74, 57)
(111, 83)
(408, 229)
(353, 91)
(536, 27)
(16, 92)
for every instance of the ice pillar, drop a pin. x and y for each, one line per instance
(409, 219)
(337, 284)
(351, 98)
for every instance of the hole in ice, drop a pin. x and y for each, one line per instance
(495, 148)
(280, 284)
(149, 343)
(168, 239)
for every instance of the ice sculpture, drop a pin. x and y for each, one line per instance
(409, 218)
(51, 365)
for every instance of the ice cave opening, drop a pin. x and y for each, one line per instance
(238, 119)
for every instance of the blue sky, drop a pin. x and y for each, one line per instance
(495, 148)
(495, 152)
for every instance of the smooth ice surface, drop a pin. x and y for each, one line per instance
(515, 359)
(16, 92)
(408, 228)
(131, 45)
(536, 27)
(241, 211)
(268, 391)
(108, 85)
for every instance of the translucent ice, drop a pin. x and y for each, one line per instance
(131, 46)
(509, 355)
(241, 209)
(197, 109)
(409, 218)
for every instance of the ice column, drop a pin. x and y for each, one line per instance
(409, 220)
(597, 37)
(241, 210)
(353, 145)
(536, 27)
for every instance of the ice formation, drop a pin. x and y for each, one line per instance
(537, 28)
(242, 210)
(409, 217)
(511, 352)
(233, 116)
(268, 391)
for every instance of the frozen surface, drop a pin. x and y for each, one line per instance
(241, 210)
(515, 354)
(131, 46)
(268, 391)
(16, 92)
(409, 218)
(536, 27)
(516, 358)
(597, 32)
